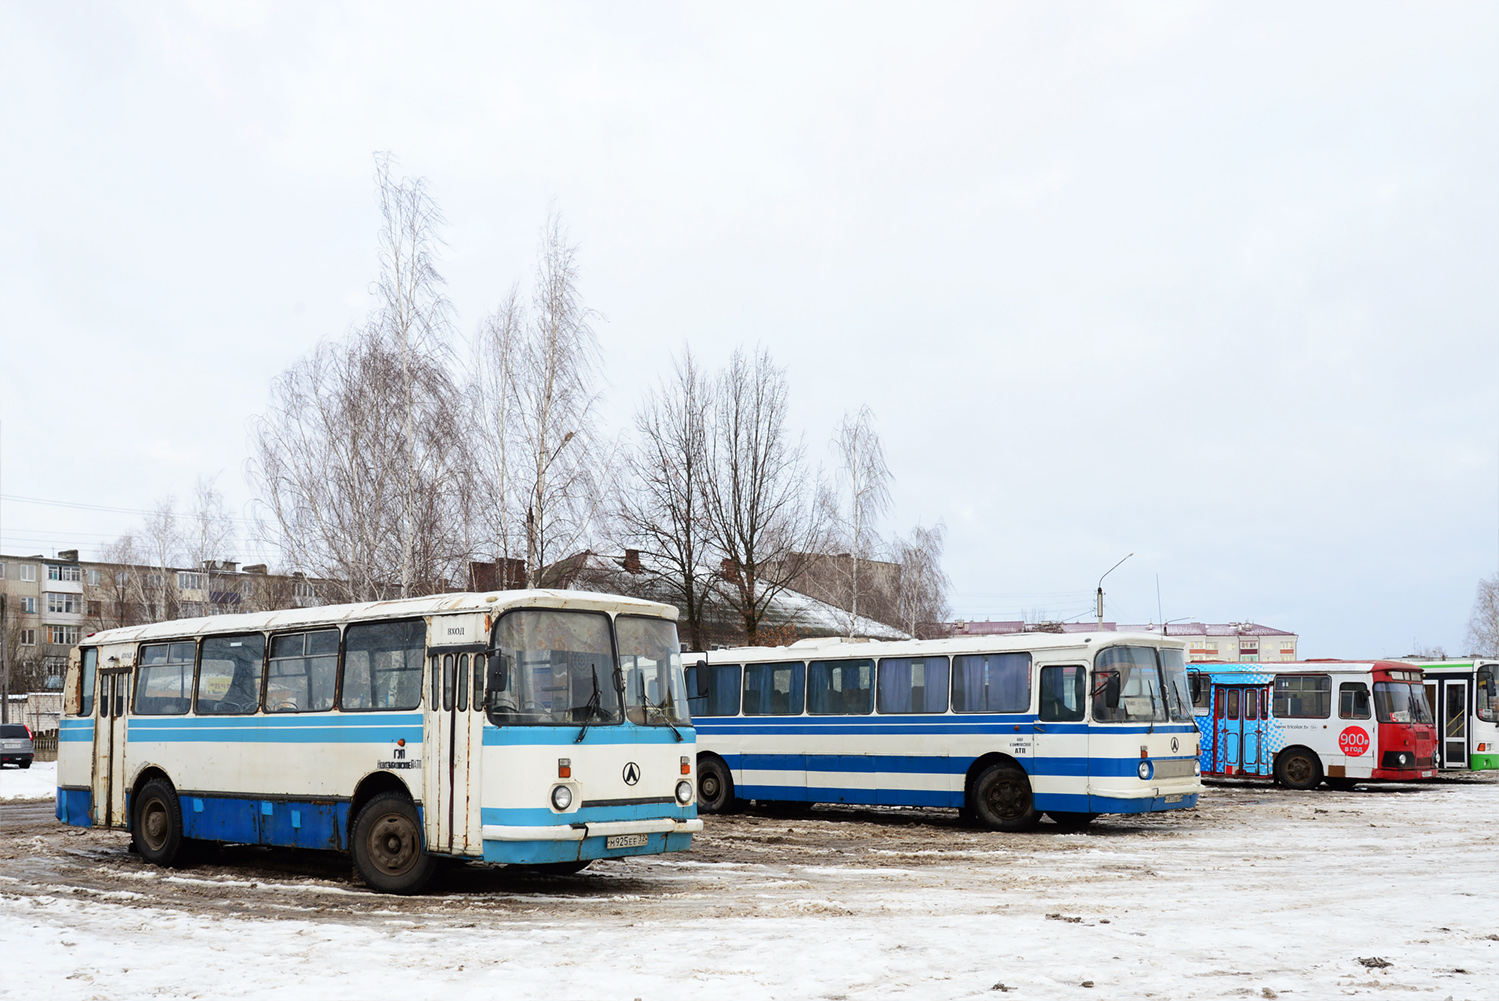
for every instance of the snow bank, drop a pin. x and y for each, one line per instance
(37, 782)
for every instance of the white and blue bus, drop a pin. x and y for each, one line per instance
(537, 728)
(1004, 728)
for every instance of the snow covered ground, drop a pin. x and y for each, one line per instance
(37, 782)
(1259, 893)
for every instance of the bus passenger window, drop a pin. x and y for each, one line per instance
(840, 687)
(383, 665)
(303, 669)
(90, 670)
(229, 675)
(463, 683)
(164, 685)
(774, 689)
(991, 683)
(1353, 700)
(913, 685)
(720, 683)
(1233, 703)
(1063, 690)
(1251, 703)
(1303, 696)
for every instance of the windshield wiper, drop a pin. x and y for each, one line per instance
(661, 708)
(590, 708)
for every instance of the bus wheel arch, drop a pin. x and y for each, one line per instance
(715, 784)
(368, 788)
(1298, 767)
(997, 794)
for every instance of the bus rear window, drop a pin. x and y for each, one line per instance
(1303, 696)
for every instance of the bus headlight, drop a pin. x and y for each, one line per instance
(1197, 768)
(562, 797)
(1144, 770)
(684, 792)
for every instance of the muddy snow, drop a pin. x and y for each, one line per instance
(1258, 893)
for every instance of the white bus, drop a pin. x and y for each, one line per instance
(538, 728)
(1004, 728)
(1464, 696)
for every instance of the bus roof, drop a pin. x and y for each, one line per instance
(318, 615)
(859, 648)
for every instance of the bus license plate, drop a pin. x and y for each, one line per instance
(624, 841)
(1173, 799)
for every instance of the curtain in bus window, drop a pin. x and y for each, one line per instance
(991, 683)
(229, 674)
(1353, 700)
(774, 689)
(303, 669)
(1062, 693)
(164, 683)
(383, 665)
(912, 685)
(723, 690)
(840, 687)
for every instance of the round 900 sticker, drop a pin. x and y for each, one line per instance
(1353, 741)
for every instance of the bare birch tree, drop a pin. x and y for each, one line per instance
(922, 585)
(562, 476)
(414, 314)
(497, 526)
(862, 495)
(758, 494)
(662, 512)
(1483, 626)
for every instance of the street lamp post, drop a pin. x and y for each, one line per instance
(1100, 589)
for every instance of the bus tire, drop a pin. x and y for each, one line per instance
(1065, 818)
(387, 846)
(156, 823)
(715, 786)
(1002, 799)
(1298, 769)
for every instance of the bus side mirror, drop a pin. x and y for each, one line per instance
(701, 671)
(1111, 689)
(497, 677)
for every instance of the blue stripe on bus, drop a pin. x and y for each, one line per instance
(542, 852)
(931, 764)
(77, 732)
(820, 725)
(540, 816)
(248, 820)
(382, 728)
(614, 733)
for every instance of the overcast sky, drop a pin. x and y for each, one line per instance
(1215, 284)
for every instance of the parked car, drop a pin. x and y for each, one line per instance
(15, 744)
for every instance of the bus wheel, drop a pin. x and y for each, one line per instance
(387, 846)
(1298, 769)
(1002, 799)
(156, 824)
(1063, 818)
(715, 786)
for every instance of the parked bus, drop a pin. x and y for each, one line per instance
(1004, 728)
(538, 728)
(1465, 698)
(1304, 723)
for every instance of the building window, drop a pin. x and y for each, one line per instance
(28, 637)
(153, 580)
(62, 635)
(28, 604)
(121, 578)
(28, 571)
(95, 609)
(64, 603)
(301, 589)
(56, 572)
(2, 571)
(93, 578)
(190, 581)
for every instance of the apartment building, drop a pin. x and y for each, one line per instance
(1232, 642)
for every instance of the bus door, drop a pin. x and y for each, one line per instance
(453, 738)
(1238, 729)
(108, 791)
(1453, 709)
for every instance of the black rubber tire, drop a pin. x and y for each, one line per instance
(1298, 769)
(557, 868)
(1002, 799)
(1342, 784)
(1064, 818)
(156, 824)
(387, 846)
(715, 786)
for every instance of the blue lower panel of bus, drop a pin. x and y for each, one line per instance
(542, 852)
(294, 824)
(75, 807)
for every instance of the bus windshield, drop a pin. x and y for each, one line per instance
(651, 659)
(1486, 701)
(552, 668)
(1178, 685)
(1127, 686)
(1399, 702)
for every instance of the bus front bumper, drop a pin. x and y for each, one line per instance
(579, 832)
